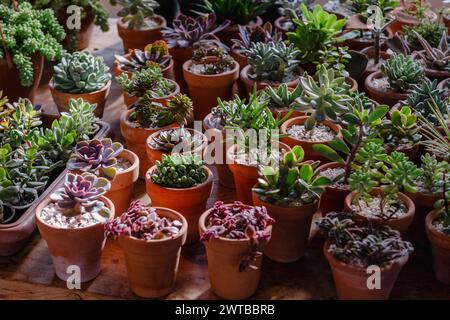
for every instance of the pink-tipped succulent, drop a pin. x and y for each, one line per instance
(96, 156)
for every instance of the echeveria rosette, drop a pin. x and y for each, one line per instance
(97, 157)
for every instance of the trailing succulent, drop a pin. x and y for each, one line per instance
(431, 32)
(136, 13)
(156, 52)
(239, 221)
(438, 57)
(283, 97)
(179, 171)
(81, 72)
(291, 182)
(402, 72)
(27, 32)
(213, 61)
(361, 245)
(251, 34)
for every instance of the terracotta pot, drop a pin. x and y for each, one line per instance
(232, 32)
(290, 233)
(204, 90)
(440, 247)
(307, 146)
(246, 176)
(432, 74)
(136, 138)
(122, 186)
(332, 200)
(154, 155)
(138, 39)
(351, 281)
(190, 202)
(167, 71)
(446, 20)
(353, 84)
(443, 84)
(82, 36)
(99, 97)
(241, 59)
(129, 100)
(370, 53)
(403, 19)
(279, 25)
(10, 79)
(224, 256)
(386, 96)
(152, 265)
(401, 224)
(358, 44)
(81, 247)
(180, 56)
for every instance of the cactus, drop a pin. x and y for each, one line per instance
(402, 72)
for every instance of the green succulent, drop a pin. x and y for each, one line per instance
(442, 205)
(402, 72)
(431, 172)
(282, 96)
(436, 58)
(179, 171)
(80, 118)
(134, 13)
(430, 31)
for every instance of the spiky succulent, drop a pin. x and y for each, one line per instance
(430, 31)
(436, 58)
(6, 109)
(272, 61)
(251, 34)
(157, 52)
(96, 156)
(81, 72)
(179, 171)
(166, 140)
(212, 61)
(402, 72)
(135, 13)
(282, 96)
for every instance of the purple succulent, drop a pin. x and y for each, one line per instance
(96, 156)
(252, 34)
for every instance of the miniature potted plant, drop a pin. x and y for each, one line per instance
(431, 32)
(234, 235)
(183, 183)
(151, 238)
(138, 24)
(136, 59)
(341, 8)
(81, 75)
(284, 23)
(72, 221)
(188, 34)
(209, 75)
(109, 160)
(352, 247)
(290, 192)
(412, 12)
(147, 117)
(376, 187)
(147, 81)
(22, 54)
(284, 99)
(397, 76)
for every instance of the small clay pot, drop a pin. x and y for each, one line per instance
(152, 265)
(136, 138)
(81, 247)
(386, 96)
(440, 247)
(121, 189)
(279, 25)
(204, 90)
(370, 53)
(400, 224)
(180, 56)
(190, 202)
(224, 256)
(241, 59)
(290, 233)
(129, 100)
(307, 146)
(358, 44)
(439, 75)
(99, 97)
(167, 71)
(10, 79)
(351, 281)
(139, 38)
(443, 84)
(156, 155)
(332, 200)
(353, 84)
(404, 19)
(232, 32)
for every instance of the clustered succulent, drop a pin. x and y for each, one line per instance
(402, 72)
(212, 61)
(438, 57)
(81, 72)
(283, 97)
(143, 222)
(252, 34)
(157, 52)
(136, 13)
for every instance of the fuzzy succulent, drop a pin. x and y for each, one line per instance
(251, 34)
(81, 72)
(96, 156)
(272, 61)
(179, 171)
(211, 61)
(282, 96)
(436, 58)
(135, 13)
(180, 137)
(157, 52)
(402, 72)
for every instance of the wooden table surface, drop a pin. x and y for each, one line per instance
(30, 274)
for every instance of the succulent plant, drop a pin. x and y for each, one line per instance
(148, 81)
(286, 7)
(180, 137)
(135, 13)
(211, 61)
(431, 32)
(436, 58)
(157, 52)
(143, 222)
(282, 96)
(402, 72)
(179, 171)
(96, 156)
(81, 72)
(6, 109)
(239, 221)
(193, 32)
(251, 34)
(80, 118)
(362, 245)
(442, 206)
(431, 172)
(272, 61)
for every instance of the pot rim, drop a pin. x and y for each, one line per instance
(133, 166)
(127, 55)
(189, 63)
(332, 165)
(394, 94)
(209, 180)
(432, 72)
(51, 85)
(430, 228)
(196, 132)
(124, 119)
(289, 123)
(232, 162)
(162, 22)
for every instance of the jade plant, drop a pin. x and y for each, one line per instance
(251, 34)
(431, 32)
(402, 72)
(135, 14)
(435, 58)
(179, 171)
(291, 182)
(283, 97)
(431, 172)
(143, 222)
(239, 221)
(156, 52)
(211, 61)
(81, 72)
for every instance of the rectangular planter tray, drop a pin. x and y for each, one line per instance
(14, 235)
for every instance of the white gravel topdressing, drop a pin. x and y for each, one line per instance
(381, 83)
(201, 68)
(319, 133)
(372, 209)
(333, 174)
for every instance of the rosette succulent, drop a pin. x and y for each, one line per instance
(81, 72)
(157, 52)
(402, 72)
